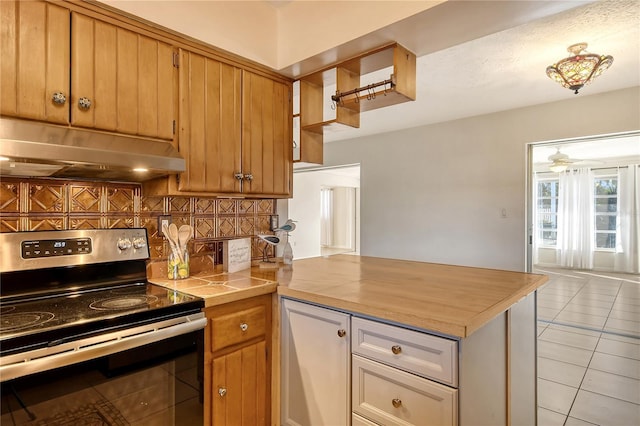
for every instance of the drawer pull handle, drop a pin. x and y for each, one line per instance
(222, 391)
(396, 402)
(342, 333)
(396, 349)
(244, 326)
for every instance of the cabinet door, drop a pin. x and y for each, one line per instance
(315, 387)
(210, 114)
(34, 47)
(240, 387)
(267, 145)
(127, 78)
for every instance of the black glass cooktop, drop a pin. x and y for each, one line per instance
(48, 321)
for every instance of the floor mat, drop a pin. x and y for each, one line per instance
(100, 413)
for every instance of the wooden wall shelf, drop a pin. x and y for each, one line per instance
(346, 77)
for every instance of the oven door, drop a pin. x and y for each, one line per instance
(156, 384)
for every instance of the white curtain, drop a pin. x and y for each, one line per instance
(575, 219)
(627, 257)
(326, 217)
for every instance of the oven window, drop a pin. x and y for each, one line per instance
(129, 389)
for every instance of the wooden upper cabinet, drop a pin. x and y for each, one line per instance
(34, 64)
(234, 130)
(210, 122)
(267, 146)
(121, 81)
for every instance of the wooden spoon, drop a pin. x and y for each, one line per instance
(184, 235)
(172, 243)
(173, 237)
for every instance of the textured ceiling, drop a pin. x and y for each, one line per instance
(506, 69)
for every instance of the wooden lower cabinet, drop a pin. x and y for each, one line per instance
(238, 363)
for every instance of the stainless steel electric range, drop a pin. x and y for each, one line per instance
(71, 297)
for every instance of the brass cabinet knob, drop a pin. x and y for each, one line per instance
(396, 402)
(222, 391)
(84, 103)
(59, 98)
(396, 349)
(342, 333)
(244, 326)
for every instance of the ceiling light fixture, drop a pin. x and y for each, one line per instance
(558, 168)
(580, 69)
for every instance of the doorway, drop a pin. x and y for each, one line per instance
(326, 204)
(588, 346)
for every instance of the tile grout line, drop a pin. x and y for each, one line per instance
(586, 369)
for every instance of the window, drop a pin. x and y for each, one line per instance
(606, 211)
(548, 212)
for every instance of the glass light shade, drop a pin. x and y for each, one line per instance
(558, 168)
(582, 68)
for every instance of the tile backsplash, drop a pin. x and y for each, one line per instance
(52, 204)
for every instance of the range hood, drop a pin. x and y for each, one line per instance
(38, 150)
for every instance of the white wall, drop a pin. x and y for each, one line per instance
(305, 240)
(435, 193)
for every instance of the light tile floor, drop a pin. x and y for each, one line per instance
(588, 349)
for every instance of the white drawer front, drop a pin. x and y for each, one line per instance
(421, 353)
(356, 420)
(392, 397)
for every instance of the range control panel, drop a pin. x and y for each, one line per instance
(51, 248)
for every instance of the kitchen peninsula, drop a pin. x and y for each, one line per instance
(380, 341)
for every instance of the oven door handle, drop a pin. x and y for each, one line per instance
(22, 364)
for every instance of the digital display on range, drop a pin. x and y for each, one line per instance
(50, 248)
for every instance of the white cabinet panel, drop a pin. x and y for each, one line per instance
(315, 365)
(424, 354)
(392, 397)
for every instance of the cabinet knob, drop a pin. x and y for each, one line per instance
(248, 177)
(342, 333)
(238, 176)
(222, 391)
(396, 402)
(139, 243)
(244, 326)
(124, 244)
(396, 349)
(59, 98)
(84, 103)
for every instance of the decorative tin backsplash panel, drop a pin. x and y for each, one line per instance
(52, 204)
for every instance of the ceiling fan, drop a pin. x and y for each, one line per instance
(560, 162)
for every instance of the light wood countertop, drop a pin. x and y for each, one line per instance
(447, 299)
(217, 287)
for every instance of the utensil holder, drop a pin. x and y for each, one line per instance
(178, 265)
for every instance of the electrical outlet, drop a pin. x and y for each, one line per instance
(163, 219)
(273, 222)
